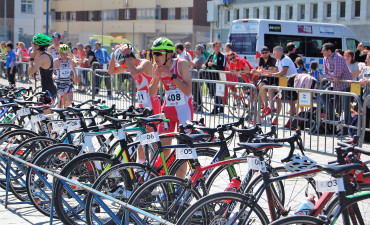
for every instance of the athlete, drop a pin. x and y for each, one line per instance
(176, 78)
(43, 61)
(54, 48)
(141, 71)
(64, 73)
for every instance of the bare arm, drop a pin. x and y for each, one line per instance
(43, 61)
(153, 86)
(112, 69)
(185, 84)
(281, 73)
(73, 68)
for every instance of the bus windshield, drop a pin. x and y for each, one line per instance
(244, 44)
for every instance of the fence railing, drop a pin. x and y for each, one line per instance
(73, 182)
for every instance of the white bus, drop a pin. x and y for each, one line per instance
(248, 36)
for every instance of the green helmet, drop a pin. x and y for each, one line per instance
(42, 39)
(63, 48)
(163, 43)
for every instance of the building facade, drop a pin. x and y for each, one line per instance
(141, 21)
(21, 19)
(355, 14)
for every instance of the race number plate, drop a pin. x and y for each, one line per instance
(58, 126)
(24, 112)
(119, 134)
(186, 153)
(72, 125)
(149, 138)
(333, 185)
(38, 118)
(254, 164)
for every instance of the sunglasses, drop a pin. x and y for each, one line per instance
(158, 53)
(232, 58)
(264, 52)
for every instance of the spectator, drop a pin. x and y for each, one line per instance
(142, 54)
(90, 56)
(2, 56)
(181, 53)
(361, 52)
(11, 59)
(314, 72)
(339, 51)
(30, 48)
(291, 51)
(206, 53)
(70, 46)
(188, 49)
(197, 63)
(215, 61)
(266, 63)
(53, 50)
(364, 79)
(300, 65)
(228, 49)
(335, 68)
(74, 54)
(285, 68)
(103, 58)
(22, 56)
(353, 67)
(81, 56)
(151, 55)
(239, 66)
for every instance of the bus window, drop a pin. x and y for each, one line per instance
(314, 45)
(351, 44)
(244, 44)
(272, 40)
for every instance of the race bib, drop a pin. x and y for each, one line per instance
(186, 153)
(333, 185)
(24, 112)
(149, 138)
(38, 118)
(175, 98)
(142, 97)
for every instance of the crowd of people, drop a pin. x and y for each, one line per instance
(61, 60)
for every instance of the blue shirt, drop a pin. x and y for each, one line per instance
(102, 56)
(10, 57)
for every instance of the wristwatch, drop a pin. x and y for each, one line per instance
(32, 59)
(127, 56)
(174, 76)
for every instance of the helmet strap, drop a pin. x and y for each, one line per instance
(165, 60)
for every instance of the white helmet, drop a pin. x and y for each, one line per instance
(118, 56)
(300, 163)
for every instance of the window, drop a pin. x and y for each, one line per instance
(228, 16)
(246, 13)
(91, 15)
(342, 9)
(357, 8)
(94, 15)
(328, 10)
(236, 14)
(305, 46)
(127, 14)
(257, 13)
(145, 14)
(171, 13)
(267, 9)
(72, 16)
(27, 6)
(63, 16)
(53, 14)
(314, 11)
(184, 13)
(290, 12)
(278, 13)
(111, 14)
(351, 44)
(302, 11)
(158, 12)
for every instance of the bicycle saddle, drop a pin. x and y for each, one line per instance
(116, 120)
(336, 170)
(191, 137)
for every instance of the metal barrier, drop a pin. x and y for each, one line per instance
(29, 80)
(314, 124)
(40, 170)
(365, 121)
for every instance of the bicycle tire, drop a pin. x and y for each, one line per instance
(6, 127)
(162, 201)
(205, 156)
(52, 159)
(117, 183)
(76, 168)
(211, 209)
(26, 151)
(292, 202)
(301, 220)
(9, 142)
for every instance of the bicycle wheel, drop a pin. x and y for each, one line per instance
(85, 169)
(5, 127)
(26, 151)
(118, 182)
(220, 208)
(8, 143)
(290, 192)
(298, 220)
(237, 106)
(205, 156)
(39, 184)
(166, 197)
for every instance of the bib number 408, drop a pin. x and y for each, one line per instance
(174, 97)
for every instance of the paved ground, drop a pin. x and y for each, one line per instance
(26, 214)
